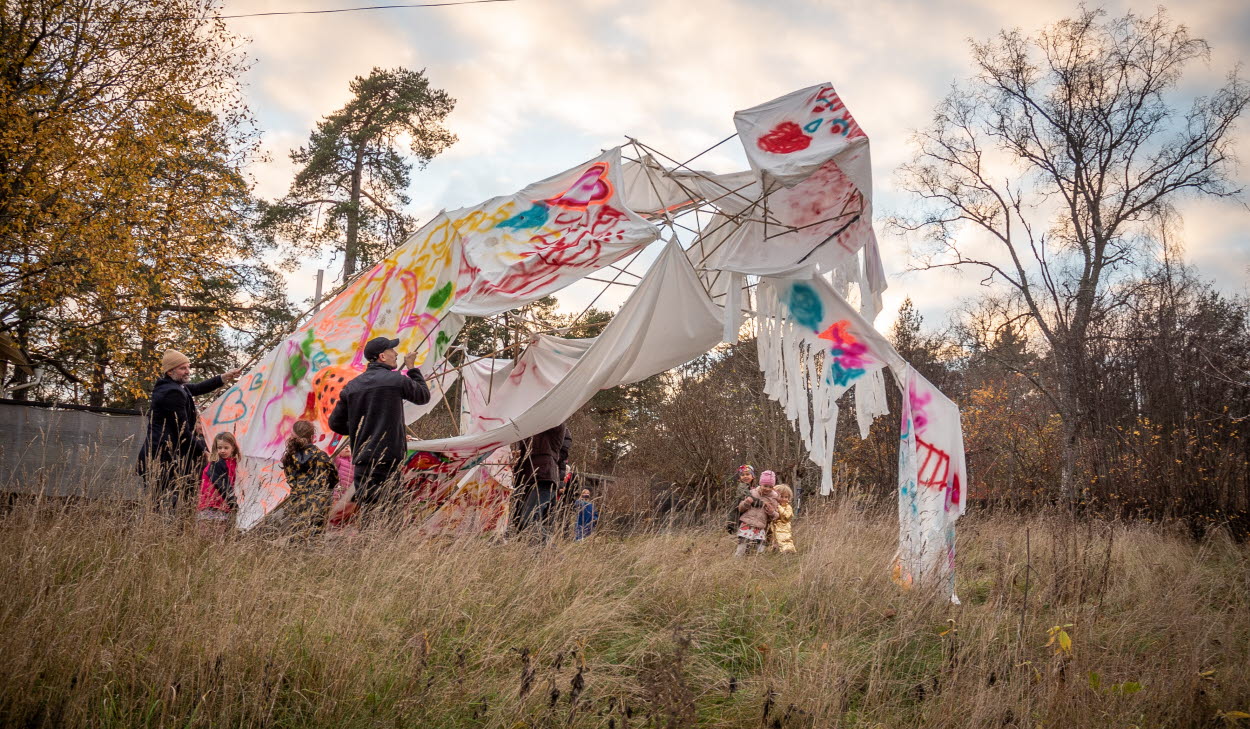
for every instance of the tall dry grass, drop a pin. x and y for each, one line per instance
(124, 618)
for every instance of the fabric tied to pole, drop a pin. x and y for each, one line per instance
(932, 478)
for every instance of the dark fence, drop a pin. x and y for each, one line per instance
(69, 450)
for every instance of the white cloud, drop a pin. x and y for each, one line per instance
(542, 85)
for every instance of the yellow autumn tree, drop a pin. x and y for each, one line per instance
(124, 205)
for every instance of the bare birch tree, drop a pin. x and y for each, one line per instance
(1065, 151)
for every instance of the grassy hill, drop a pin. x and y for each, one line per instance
(126, 619)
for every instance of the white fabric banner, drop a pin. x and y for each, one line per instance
(813, 346)
(499, 391)
(932, 485)
(810, 205)
(519, 248)
(666, 322)
(817, 225)
(479, 260)
(789, 138)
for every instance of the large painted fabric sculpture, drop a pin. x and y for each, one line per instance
(796, 228)
(479, 260)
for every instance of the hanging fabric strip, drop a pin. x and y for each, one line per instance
(733, 309)
(932, 480)
(870, 402)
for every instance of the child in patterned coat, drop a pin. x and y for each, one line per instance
(311, 476)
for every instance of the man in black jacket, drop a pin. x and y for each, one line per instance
(173, 452)
(535, 474)
(370, 411)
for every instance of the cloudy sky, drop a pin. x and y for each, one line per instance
(542, 85)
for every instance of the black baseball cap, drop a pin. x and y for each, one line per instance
(377, 346)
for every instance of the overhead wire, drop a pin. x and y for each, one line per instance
(271, 13)
(357, 9)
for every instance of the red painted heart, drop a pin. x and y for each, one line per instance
(591, 187)
(784, 138)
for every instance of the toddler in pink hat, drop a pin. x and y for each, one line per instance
(754, 514)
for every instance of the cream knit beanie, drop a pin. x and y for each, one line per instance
(173, 359)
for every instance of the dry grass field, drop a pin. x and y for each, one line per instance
(126, 619)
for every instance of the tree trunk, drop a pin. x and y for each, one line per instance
(1067, 464)
(148, 344)
(99, 374)
(351, 247)
(19, 375)
(1073, 401)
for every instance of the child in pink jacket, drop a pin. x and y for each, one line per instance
(217, 497)
(754, 513)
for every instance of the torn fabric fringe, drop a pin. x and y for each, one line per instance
(793, 376)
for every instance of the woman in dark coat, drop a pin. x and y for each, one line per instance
(535, 474)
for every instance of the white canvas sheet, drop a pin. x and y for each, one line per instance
(519, 248)
(932, 485)
(666, 322)
(817, 225)
(801, 323)
(813, 346)
(806, 204)
(498, 391)
(789, 138)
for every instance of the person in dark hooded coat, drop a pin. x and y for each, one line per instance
(536, 473)
(173, 451)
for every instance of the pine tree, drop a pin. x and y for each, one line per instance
(350, 187)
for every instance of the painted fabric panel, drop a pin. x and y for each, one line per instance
(932, 486)
(407, 295)
(816, 225)
(789, 138)
(667, 321)
(478, 260)
(479, 502)
(812, 347)
(812, 158)
(522, 247)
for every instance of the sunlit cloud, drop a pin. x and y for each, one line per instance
(542, 85)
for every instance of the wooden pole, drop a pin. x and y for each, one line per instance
(321, 275)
